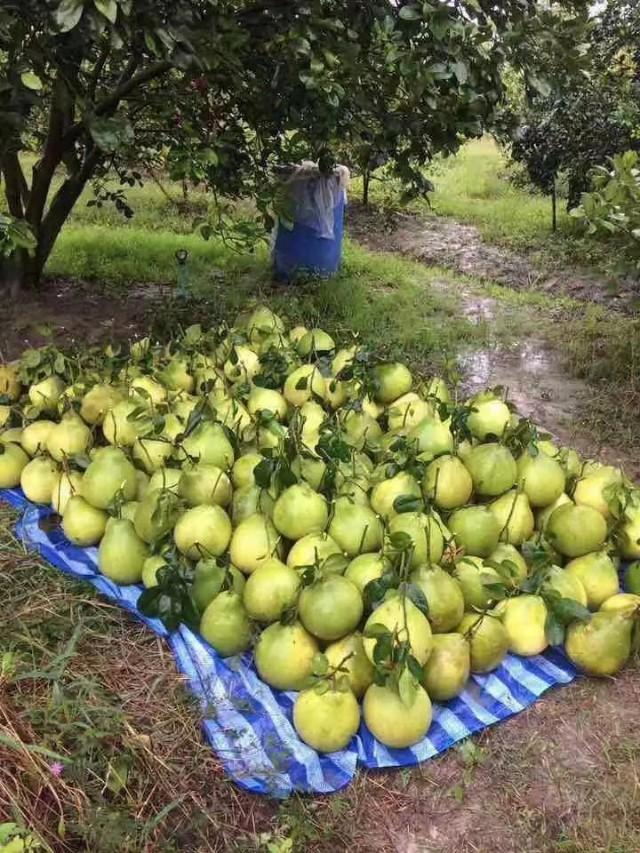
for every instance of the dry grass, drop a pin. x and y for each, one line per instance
(85, 685)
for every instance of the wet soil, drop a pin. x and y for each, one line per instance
(441, 241)
(534, 379)
(532, 373)
(72, 312)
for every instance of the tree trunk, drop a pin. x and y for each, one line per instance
(17, 272)
(366, 178)
(554, 208)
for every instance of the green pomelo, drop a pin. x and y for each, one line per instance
(225, 624)
(270, 589)
(284, 655)
(122, 553)
(447, 670)
(326, 721)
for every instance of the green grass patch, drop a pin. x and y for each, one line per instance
(387, 301)
(474, 186)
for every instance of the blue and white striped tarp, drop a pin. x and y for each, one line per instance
(249, 725)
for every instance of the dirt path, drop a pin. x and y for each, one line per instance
(532, 372)
(441, 241)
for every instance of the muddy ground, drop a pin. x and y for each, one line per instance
(531, 371)
(441, 241)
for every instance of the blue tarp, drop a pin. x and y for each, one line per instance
(249, 725)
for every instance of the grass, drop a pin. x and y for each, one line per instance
(387, 301)
(477, 187)
(474, 187)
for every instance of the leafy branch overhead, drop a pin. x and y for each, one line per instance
(220, 93)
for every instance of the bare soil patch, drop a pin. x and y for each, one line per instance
(75, 313)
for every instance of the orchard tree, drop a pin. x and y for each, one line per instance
(222, 91)
(581, 120)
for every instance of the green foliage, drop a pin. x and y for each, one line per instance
(581, 119)
(612, 210)
(14, 234)
(222, 93)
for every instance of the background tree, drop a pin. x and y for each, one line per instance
(224, 91)
(580, 120)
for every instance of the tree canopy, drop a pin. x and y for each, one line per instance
(585, 118)
(224, 91)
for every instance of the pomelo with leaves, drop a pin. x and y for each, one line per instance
(444, 596)
(211, 576)
(398, 613)
(349, 655)
(355, 528)
(447, 482)
(488, 640)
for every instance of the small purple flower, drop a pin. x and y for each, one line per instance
(57, 769)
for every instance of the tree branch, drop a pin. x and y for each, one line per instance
(13, 186)
(92, 85)
(45, 168)
(110, 103)
(62, 205)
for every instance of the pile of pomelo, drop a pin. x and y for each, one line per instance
(371, 538)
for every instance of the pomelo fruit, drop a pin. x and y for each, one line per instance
(331, 607)
(284, 655)
(38, 478)
(83, 524)
(300, 511)
(203, 531)
(326, 721)
(447, 482)
(270, 589)
(253, 541)
(225, 624)
(122, 553)
(447, 670)
(393, 723)
(348, 653)
(493, 469)
(576, 530)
